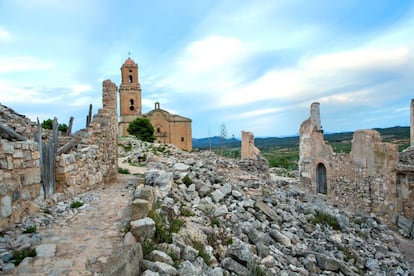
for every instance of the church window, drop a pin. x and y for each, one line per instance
(130, 78)
(158, 130)
(131, 102)
(182, 139)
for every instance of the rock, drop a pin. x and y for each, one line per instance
(181, 167)
(46, 250)
(150, 273)
(139, 209)
(240, 252)
(217, 271)
(188, 269)
(204, 190)
(7, 267)
(268, 211)
(217, 196)
(160, 256)
(372, 264)
(280, 238)
(237, 195)
(5, 206)
(326, 263)
(189, 253)
(143, 228)
(148, 194)
(129, 239)
(165, 269)
(220, 211)
(226, 189)
(233, 266)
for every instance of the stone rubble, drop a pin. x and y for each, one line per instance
(245, 223)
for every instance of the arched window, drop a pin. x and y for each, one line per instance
(130, 78)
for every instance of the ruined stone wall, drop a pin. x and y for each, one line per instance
(363, 181)
(95, 160)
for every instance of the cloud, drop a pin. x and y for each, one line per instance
(5, 36)
(23, 63)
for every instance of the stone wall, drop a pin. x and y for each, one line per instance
(95, 159)
(364, 180)
(19, 169)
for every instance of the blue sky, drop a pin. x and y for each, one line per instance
(250, 65)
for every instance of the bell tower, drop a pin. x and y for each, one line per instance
(129, 95)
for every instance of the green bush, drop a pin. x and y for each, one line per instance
(19, 256)
(187, 180)
(142, 129)
(30, 229)
(48, 124)
(185, 212)
(76, 204)
(123, 171)
(327, 219)
(215, 221)
(201, 251)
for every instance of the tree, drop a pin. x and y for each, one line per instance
(142, 129)
(48, 124)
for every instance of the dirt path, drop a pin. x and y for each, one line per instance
(87, 239)
(406, 247)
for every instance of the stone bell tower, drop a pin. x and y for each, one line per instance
(129, 95)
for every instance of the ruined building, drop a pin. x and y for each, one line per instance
(373, 179)
(168, 128)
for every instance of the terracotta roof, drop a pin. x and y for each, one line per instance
(129, 61)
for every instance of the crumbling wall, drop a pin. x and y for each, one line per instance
(19, 169)
(248, 149)
(364, 180)
(95, 158)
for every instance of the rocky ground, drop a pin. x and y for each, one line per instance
(217, 216)
(200, 214)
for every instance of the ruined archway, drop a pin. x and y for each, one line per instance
(321, 186)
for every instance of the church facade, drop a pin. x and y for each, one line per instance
(168, 128)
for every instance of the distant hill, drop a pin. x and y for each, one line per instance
(397, 134)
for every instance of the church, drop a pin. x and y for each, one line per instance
(168, 128)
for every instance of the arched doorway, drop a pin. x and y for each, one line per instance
(321, 186)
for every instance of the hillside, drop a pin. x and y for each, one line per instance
(398, 134)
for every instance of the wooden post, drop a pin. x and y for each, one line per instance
(69, 131)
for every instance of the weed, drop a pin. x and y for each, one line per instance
(325, 218)
(229, 241)
(216, 222)
(147, 247)
(19, 256)
(201, 251)
(185, 212)
(123, 171)
(76, 204)
(257, 270)
(348, 254)
(187, 180)
(175, 225)
(30, 229)
(358, 220)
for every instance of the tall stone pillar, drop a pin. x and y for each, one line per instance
(248, 149)
(316, 116)
(412, 123)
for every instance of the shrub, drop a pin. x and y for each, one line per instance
(147, 247)
(142, 129)
(19, 256)
(187, 180)
(48, 124)
(76, 204)
(123, 171)
(47, 211)
(325, 218)
(30, 229)
(257, 270)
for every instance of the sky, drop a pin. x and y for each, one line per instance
(248, 65)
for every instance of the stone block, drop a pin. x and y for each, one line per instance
(143, 228)
(46, 250)
(18, 153)
(139, 209)
(6, 208)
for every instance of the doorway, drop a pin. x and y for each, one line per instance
(321, 186)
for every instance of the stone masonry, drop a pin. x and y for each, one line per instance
(366, 180)
(248, 149)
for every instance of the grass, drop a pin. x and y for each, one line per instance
(256, 270)
(123, 171)
(201, 251)
(30, 229)
(185, 212)
(216, 222)
(327, 219)
(76, 204)
(147, 247)
(19, 256)
(47, 211)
